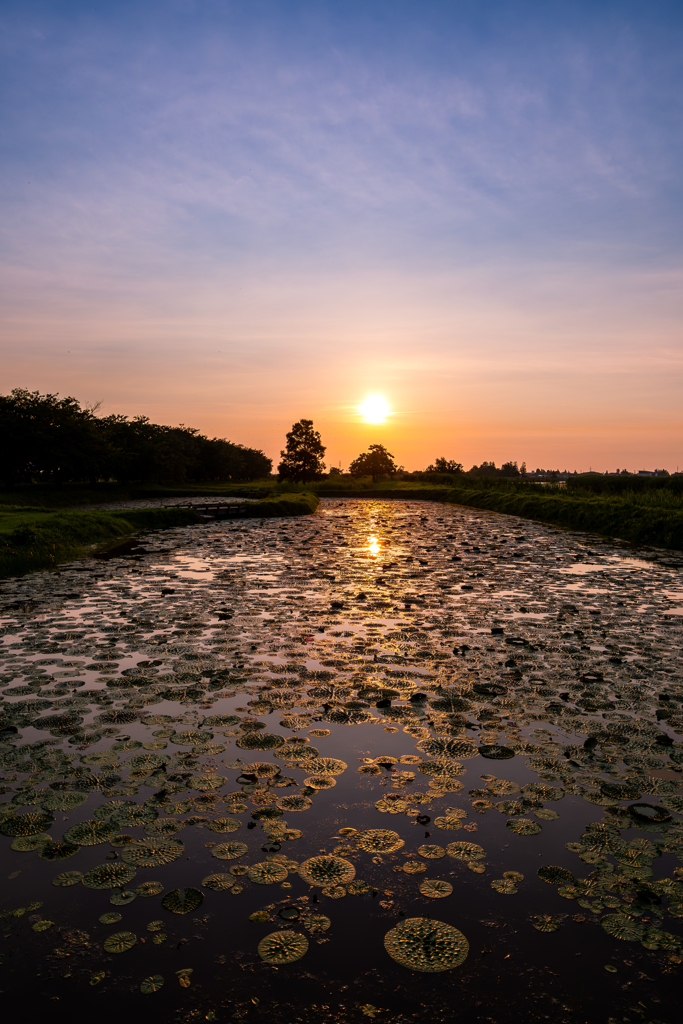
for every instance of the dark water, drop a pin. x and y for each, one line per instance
(293, 627)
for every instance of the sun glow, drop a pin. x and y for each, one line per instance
(374, 409)
(373, 547)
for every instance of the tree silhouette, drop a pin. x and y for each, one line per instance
(445, 466)
(302, 459)
(375, 462)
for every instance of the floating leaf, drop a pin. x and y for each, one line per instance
(182, 901)
(327, 869)
(110, 918)
(153, 853)
(435, 889)
(108, 876)
(119, 942)
(224, 825)
(431, 852)
(555, 876)
(229, 851)
(151, 984)
(218, 882)
(379, 840)
(546, 923)
(465, 851)
(67, 878)
(524, 826)
(26, 824)
(422, 944)
(266, 872)
(283, 947)
(90, 833)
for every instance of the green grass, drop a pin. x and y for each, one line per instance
(71, 495)
(301, 503)
(38, 538)
(632, 520)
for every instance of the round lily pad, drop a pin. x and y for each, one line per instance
(224, 825)
(153, 853)
(495, 752)
(326, 766)
(524, 826)
(182, 901)
(435, 889)
(108, 876)
(218, 882)
(622, 927)
(379, 840)
(414, 867)
(26, 824)
(57, 850)
(266, 872)
(432, 852)
(334, 892)
(28, 844)
(110, 918)
(67, 878)
(149, 889)
(122, 897)
(425, 945)
(119, 942)
(647, 812)
(327, 869)
(151, 984)
(229, 851)
(446, 748)
(260, 741)
(320, 782)
(465, 851)
(554, 875)
(90, 833)
(283, 947)
(504, 885)
(546, 923)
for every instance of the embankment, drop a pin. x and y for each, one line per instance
(38, 538)
(626, 520)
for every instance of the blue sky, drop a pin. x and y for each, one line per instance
(235, 215)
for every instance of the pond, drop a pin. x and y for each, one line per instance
(393, 760)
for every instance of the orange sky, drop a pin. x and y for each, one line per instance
(241, 217)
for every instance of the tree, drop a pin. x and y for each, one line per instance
(302, 459)
(375, 462)
(444, 466)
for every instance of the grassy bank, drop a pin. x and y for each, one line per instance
(46, 496)
(629, 520)
(39, 538)
(301, 503)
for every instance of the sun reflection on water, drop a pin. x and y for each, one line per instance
(374, 546)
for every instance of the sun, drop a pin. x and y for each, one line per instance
(374, 409)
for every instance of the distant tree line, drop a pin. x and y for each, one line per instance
(50, 439)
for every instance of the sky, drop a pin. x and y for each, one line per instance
(237, 215)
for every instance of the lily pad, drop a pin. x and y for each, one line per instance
(326, 870)
(435, 889)
(182, 901)
(266, 872)
(422, 944)
(153, 853)
(108, 876)
(524, 826)
(283, 947)
(229, 851)
(151, 984)
(379, 840)
(119, 942)
(90, 833)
